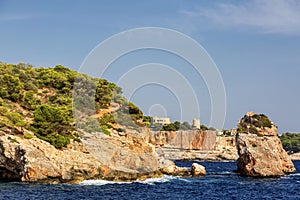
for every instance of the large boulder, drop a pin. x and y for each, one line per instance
(168, 167)
(198, 170)
(260, 150)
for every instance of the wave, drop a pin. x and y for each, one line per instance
(296, 174)
(150, 181)
(224, 173)
(164, 179)
(101, 182)
(290, 176)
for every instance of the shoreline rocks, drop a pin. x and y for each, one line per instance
(119, 159)
(168, 167)
(197, 170)
(295, 156)
(34, 160)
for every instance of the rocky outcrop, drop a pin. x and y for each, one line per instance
(168, 167)
(33, 160)
(110, 158)
(295, 156)
(118, 157)
(129, 153)
(198, 170)
(260, 150)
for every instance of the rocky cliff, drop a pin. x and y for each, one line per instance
(194, 145)
(34, 160)
(295, 156)
(260, 150)
(58, 125)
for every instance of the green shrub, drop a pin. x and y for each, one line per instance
(121, 130)
(251, 123)
(77, 140)
(203, 127)
(169, 127)
(105, 130)
(52, 125)
(261, 121)
(291, 142)
(90, 125)
(12, 140)
(30, 101)
(107, 118)
(28, 136)
(16, 119)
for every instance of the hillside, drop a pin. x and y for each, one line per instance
(61, 126)
(291, 142)
(39, 101)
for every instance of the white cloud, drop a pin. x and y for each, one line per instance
(262, 16)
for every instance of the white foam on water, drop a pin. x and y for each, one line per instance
(150, 181)
(297, 174)
(163, 179)
(101, 182)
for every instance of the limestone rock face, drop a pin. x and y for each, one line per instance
(194, 145)
(187, 139)
(37, 161)
(130, 154)
(295, 156)
(261, 153)
(198, 170)
(115, 158)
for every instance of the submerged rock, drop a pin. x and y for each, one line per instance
(260, 150)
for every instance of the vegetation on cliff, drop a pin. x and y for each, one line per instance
(250, 123)
(291, 142)
(175, 126)
(41, 100)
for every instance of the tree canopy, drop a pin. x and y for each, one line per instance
(42, 100)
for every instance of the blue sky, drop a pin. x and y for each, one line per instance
(255, 44)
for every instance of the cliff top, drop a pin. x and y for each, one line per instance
(256, 124)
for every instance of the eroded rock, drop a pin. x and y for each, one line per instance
(198, 170)
(34, 160)
(260, 150)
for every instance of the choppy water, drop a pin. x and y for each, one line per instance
(220, 183)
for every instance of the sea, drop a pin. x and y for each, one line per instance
(220, 183)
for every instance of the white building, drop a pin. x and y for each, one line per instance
(161, 120)
(196, 123)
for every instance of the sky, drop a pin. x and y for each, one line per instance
(255, 45)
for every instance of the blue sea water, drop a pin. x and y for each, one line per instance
(220, 183)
